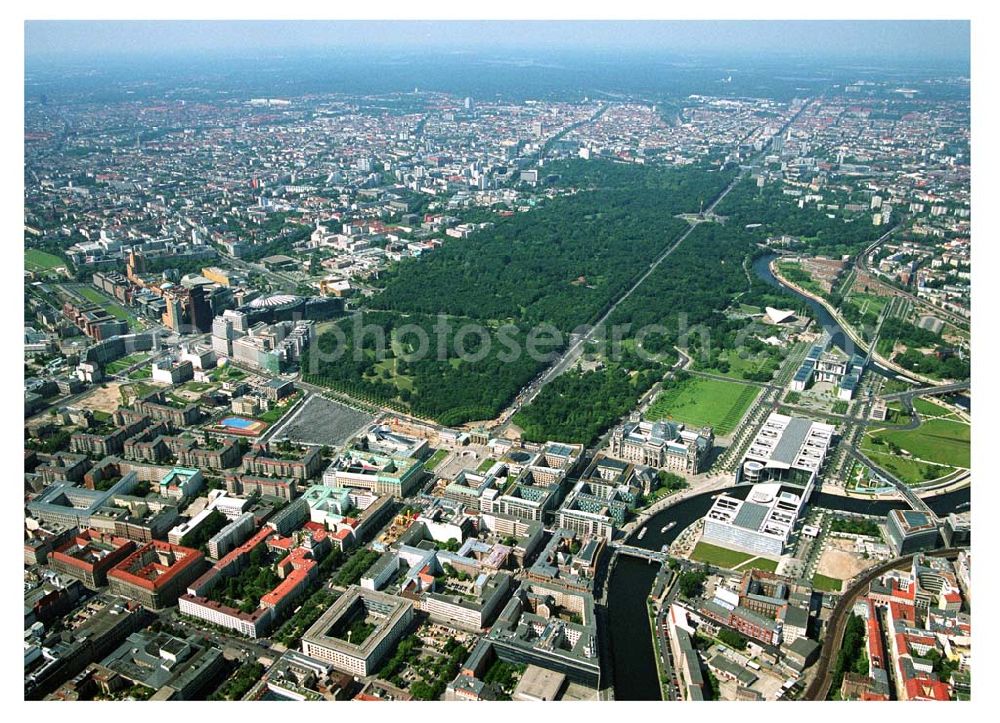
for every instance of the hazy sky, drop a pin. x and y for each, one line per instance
(940, 40)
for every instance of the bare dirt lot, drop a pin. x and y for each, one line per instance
(102, 399)
(840, 561)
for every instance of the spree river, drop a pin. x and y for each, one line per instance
(631, 644)
(762, 269)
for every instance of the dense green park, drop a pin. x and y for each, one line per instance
(564, 261)
(394, 359)
(579, 406)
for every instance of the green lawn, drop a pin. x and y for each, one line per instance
(92, 295)
(827, 584)
(112, 307)
(38, 260)
(401, 381)
(869, 303)
(759, 563)
(697, 402)
(935, 440)
(908, 470)
(794, 272)
(196, 386)
(120, 365)
(138, 389)
(431, 464)
(927, 408)
(228, 374)
(736, 365)
(273, 415)
(485, 465)
(718, 556)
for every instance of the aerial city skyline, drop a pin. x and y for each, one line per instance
(497, 360)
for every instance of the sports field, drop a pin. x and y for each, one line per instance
(697, 401)
(718, 556)
(38, 260)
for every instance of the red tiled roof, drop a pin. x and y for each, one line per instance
(926, 689)
(290, 584)
(154, 575)
(281, 543)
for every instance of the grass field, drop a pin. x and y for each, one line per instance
(136, 389)
(431, 464)
(120, 365)
(92, 295)
(228, 374)
(868, 303)
(386, 370)
(928, 409)
(910, 471)
(697, 402)
(759, 563)
(112, 307)
(718, 556)
(827, 584)
(275, 413)
(38, 260)
(935, 440)
(737, 364)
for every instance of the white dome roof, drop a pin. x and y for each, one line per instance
(273, 301)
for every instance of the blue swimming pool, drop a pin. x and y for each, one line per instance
(237, 422)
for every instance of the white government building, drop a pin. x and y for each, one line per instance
(761, 524)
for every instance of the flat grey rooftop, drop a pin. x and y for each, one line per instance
(750, 516)
(787, 448)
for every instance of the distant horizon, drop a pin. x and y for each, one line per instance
(910, 41)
